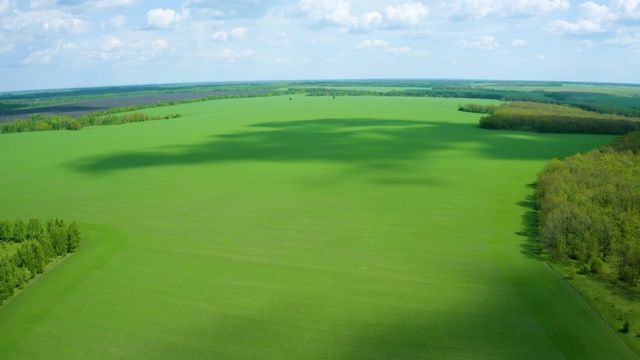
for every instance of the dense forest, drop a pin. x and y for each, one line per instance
(550, 118)
(28, 247)
(589, 209)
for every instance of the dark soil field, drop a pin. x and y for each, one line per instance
(86, 107)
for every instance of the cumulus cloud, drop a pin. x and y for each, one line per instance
(338, 12)
(116, 21)
(409, 14)
(232, 55)
(165, 18)
(45, 56)
(45, 22)
(630, 8)
(236, 33)
(370, 20)
(368, 44)
(477, 9)
(110, 43)
(484, 42)
(594, 18)
(519, 43)
(329, 11)
(580, 27)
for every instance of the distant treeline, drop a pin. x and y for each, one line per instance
(38, 245)
(549, 118)
(327, 91)
(40, 122)
(589, 209)
(22, 100)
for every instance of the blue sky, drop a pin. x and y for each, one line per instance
(75, 43)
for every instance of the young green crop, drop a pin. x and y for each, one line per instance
(307, 228)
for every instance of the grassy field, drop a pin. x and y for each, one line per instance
(311, 228)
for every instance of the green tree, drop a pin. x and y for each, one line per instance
(34, 229)
(19, 231)
(6, 233)
(73, 233)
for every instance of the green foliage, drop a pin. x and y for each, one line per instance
(589, 208)
(41, 122)
(475, 108)
(35, 251)
(549, 118)
(19, 231)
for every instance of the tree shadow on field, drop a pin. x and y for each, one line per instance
(530, 222)
(376, 144)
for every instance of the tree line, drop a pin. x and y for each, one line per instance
(41, 122)
(550, 118)
(589, 209)
(38, 244)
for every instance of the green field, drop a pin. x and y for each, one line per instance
(311, 228)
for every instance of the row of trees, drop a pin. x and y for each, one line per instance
(589, 208)
(40, 122)
(549, 118)
(37, 245)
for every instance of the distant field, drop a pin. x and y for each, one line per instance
(76, 109)
(310, 228)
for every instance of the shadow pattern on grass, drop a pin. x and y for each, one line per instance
(374, 143)
(530, 226)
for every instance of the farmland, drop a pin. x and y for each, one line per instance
(360, 227)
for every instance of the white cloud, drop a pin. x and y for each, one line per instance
(39, 4)
(232, 55)
(6, 48)
(630, 8)
(159, 44)
(519, 43)
(368, 44)
(45, 56)
(594, 18)
(236, 33)
(38, 57)
(116, 21)
(165, 18)
(484, 42)
(329, 11)
(110, 43)
(60, 25)
(477, 9)
(338, 12)
(596, 13)
(398, 50)
(44, 22)
(115, 3)
(4, 6)
(409, 14)
(580, 27)
(370, 20)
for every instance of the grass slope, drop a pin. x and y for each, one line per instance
(360, 228)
